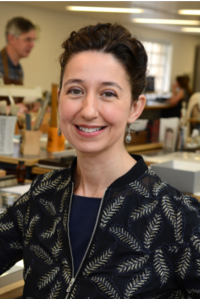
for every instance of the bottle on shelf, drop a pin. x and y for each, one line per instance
(21, 172)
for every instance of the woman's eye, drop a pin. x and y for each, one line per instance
(109, 94)
(74, 92)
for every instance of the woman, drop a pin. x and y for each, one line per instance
(107, 227)
(180, 93)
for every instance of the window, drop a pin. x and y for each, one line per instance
(159, 64)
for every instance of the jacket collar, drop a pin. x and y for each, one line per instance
(133, 174)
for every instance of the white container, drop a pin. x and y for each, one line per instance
(183, 175)
(7, 130)
(139, 125)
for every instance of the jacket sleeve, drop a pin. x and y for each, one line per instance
(187, 265)
(12, 226)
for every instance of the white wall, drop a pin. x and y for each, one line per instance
(42, 66)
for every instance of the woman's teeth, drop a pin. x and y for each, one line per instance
(84, 129)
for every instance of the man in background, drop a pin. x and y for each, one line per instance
(20, 37)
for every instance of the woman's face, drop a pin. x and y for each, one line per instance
(95, 102)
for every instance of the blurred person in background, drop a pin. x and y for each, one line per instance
(181, 92)
(20, 38)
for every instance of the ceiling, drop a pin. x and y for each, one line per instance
(152, 9)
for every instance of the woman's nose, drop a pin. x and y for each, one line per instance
(89, 109)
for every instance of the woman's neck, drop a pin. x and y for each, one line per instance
(94, 173)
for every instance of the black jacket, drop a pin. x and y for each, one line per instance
(145, 244)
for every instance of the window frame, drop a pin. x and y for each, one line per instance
(165, 78)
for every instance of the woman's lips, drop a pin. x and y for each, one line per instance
(90, 131)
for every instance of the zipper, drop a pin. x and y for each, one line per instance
(70, 248)
(95, 226)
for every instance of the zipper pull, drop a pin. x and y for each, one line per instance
(70, 285)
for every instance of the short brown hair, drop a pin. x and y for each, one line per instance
(18, 25)
(114, 39)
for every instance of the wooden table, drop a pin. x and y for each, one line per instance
(154, 105)
(9, 162)
(155, 110)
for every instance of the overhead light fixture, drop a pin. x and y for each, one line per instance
(195, 12)
(190, 29)
(105, 9)
(166, 21)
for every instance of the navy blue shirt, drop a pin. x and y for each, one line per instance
(15, 72)
(83, 215)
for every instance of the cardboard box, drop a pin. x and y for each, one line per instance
(183, 175)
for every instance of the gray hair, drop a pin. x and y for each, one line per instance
(17, 26)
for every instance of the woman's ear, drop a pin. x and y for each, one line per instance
(137, 108)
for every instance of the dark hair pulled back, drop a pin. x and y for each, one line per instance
(114, 39)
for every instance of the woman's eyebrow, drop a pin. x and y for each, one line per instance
(76, 80)
(112, 83)
(73, 80)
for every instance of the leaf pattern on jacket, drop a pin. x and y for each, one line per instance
(74, 291)
(179, 227)
(158, 187)
(172, 248)
(186, 200)
(5, 227)
(93, 248)
(168, 210)
(99, 262)
(16, 246)
(62, 203)
(184, 263)
(125, 237)
(133, 264)
(178, 294)
(141, 211)
(47, 278)
(193, 291)
(27, 216)
(41, 254)
(106, 287)
(65, 220)
(20, 220)
(55, 290)
(195, 242)
(152, 230)
(66, 271)
(137, 283)
(161, 268)
(48, 175)
(23, 199)
(150, 172)
(63, 184)
(111, 210)
(198, 266)
(47, 234)
(48, 206)
(46, 185)
(29, 232)
(58, 246)
(138, 187)
(27, 272)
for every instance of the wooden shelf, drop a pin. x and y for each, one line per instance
(12, 291)
(193, 120)
(144, 147)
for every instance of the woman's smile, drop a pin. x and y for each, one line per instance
(89, 131)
